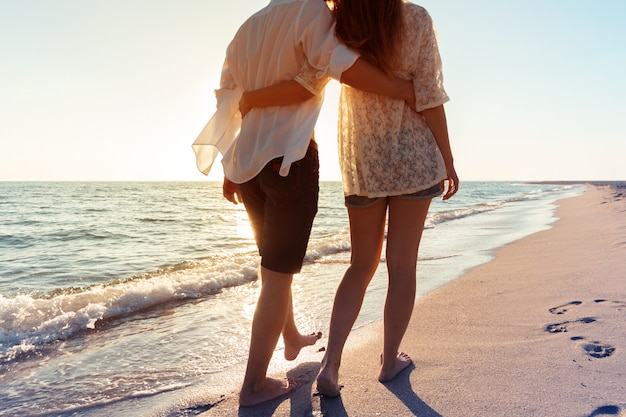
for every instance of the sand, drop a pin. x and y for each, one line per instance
(538, 331)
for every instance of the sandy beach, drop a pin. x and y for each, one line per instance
(538, 331)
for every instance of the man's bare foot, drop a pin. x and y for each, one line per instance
(328, 382)
(390, 371)
(293, 347)
(269, 389)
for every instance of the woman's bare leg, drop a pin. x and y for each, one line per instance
(405, 226)
(367, 230)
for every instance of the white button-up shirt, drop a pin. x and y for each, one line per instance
(272, 45)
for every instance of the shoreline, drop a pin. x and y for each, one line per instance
(534, 332)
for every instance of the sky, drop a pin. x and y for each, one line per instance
(117, 90)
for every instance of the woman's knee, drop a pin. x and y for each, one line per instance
(401, 269)
(362, 270)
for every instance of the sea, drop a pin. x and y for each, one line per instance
(136, 298)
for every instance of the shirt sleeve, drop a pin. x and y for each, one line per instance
(222, 129)
(320, 44)
(309, 79)
(428, 80)
(227, 80)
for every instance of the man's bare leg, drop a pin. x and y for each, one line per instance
(269, 319)
(294, 340)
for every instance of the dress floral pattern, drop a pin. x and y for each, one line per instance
(385, 148)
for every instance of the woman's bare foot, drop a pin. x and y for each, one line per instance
(269, 389)
(390, 371)
(293, 347)
(328, 382)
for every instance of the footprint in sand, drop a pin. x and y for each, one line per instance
(606, 410)
(562, 309)
(563, 327)
(619, 305)
(598, 350)
(594, 348)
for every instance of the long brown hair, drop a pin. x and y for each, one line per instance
(371, 27)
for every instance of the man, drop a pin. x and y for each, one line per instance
(270, 160)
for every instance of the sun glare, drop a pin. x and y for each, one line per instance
(244, 229)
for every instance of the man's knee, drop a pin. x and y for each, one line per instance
(275, 278)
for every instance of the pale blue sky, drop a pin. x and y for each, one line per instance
(118, 89)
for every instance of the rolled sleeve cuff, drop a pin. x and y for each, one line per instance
(341, 59)
(434, 98)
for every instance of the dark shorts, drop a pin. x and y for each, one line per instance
(281, 211)
(356, 201)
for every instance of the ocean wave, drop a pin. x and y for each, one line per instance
(79, 234)
(12, 241)
(156, 220)
(327, 246)
(94, 404)
(29, 322)
(461, 212)
(455, 214)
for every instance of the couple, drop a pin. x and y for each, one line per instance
(393, 147)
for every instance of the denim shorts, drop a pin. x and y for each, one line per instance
(281, 211)
(357, 201)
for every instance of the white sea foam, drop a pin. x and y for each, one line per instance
(28, 322)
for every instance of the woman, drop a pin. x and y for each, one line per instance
(393, 162)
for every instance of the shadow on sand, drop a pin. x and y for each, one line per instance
(302, 404)
(401, 388)
(300, 400)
